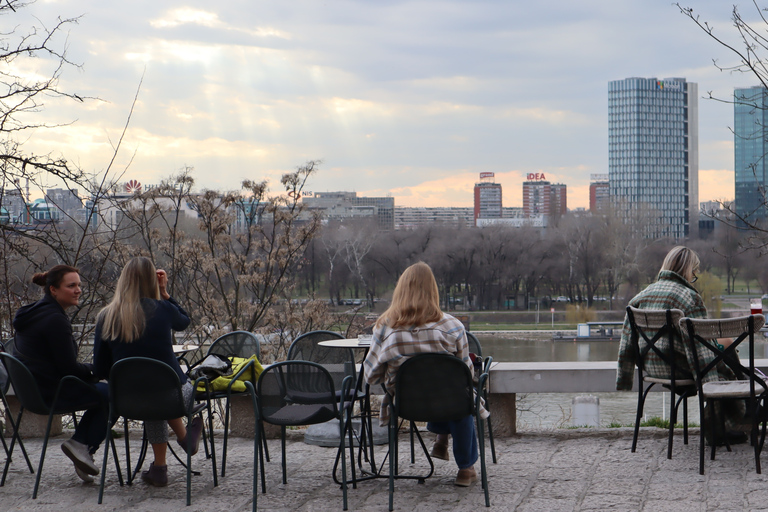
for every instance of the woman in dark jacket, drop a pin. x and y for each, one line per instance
(138, 322)
(44, 343)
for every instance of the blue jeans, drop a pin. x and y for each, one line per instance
(464, 439)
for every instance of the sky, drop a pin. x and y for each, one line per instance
(411, 99)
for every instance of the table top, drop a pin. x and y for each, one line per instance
(345, 343)
(183, 349)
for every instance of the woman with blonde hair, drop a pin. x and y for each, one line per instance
(673, 289)
(414, 324)
(138, 322)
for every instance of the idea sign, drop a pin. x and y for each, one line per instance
(538, 176)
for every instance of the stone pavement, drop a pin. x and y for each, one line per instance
(557, 470)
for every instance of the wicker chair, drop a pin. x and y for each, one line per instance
(702, 336)
(661, 339)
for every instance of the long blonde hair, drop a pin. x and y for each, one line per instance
(683, 261)
(416, 300)
(123, 318)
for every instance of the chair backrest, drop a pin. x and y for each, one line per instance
(474, 344)
(340, 362)
(661, 339)
(238, 344)
(296, 393)
(702, 339)
(24, 385)
(433, 387)
(141, 388)
(5, 382)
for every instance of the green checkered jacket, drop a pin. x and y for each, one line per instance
(670, 291)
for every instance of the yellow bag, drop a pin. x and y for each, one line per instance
(238, 363)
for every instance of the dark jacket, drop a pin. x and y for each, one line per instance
(44, 343)
(156, 342)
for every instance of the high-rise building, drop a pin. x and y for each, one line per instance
(653, 154)
(559, 199)
(540, 197)
(599, 195)
(537, 198)
(487, 198)
(750, 148)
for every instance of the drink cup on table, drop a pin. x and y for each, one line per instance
(756, 307)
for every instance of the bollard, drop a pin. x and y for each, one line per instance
(585, 411)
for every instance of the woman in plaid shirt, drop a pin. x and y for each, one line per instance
(674, 290)
(414, 324)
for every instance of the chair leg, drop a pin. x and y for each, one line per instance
(16, 437)
(483, 471)
(10, 449)
(640, 405)
(142, 452)
(490, 438)
(413, 453)
(110, 440)
(226, 436)
(345, 424)
(685, 419)
(282, 445)
(264, 442)
(393, 427)
(42, 454)
(672, 421)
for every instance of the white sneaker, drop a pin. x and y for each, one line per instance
(88, 479)
(78, 453)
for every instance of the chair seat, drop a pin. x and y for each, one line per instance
(668, 382)
(299, 413)
(728, 389)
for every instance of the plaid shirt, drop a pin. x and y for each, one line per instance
(392, 347)
(670, 291)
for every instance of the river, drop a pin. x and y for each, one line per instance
(553, 410)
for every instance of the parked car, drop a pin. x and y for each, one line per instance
(562, 298)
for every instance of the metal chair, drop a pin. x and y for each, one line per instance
(485, 366)
(340, 363)
(434, 387)
(301, 393)
(659, 351)
(5, 384)
(146, 389)
(31, 399)
(707, 355)
(234, 344)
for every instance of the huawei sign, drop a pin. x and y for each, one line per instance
(133, 187)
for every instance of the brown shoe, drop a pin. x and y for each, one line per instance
(466, 477)
(439, 451)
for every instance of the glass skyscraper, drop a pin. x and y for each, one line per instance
(750, 148)
(653, 154)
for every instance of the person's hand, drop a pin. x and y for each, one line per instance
(162, 281)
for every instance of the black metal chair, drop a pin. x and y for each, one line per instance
(703, 346)
(31, 399)
(434, 387)
(294, 393)
(661, 345)
(485, 365)
(5, 384)
(234, 344)
(146, 389)
(340, 363)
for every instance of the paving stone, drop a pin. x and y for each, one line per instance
(565, 470)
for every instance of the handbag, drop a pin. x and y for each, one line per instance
(213, 366)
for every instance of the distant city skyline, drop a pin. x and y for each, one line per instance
(408, 99)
